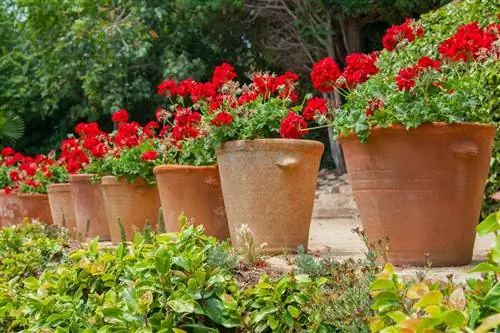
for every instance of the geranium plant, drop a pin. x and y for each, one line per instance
(264, 108)
(30, 174)
(416, 79)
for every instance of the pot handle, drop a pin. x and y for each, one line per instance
(287, 163)
(465, 149)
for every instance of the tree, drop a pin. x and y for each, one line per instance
(297, 33)
(74, 60)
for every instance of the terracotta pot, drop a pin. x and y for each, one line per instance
(88, 204)
(270, 185)
(422, 188)
(61, 205)
(35, 207)
(196, 192)
(10, 209)
(133, 204)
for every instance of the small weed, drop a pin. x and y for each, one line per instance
(252, 254)
(222, 256)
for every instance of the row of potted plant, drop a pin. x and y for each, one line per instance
(123, 177)
(414, 129)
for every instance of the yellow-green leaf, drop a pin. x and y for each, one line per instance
(417, 291)
(431, 298)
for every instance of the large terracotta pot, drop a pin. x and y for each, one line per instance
(133, 204)
(61, 205)
(422, 188)
(35, 206)
(88, 204)
(10, 209)
(196, 192)
(269, 185)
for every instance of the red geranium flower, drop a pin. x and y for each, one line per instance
(468, 43)
(14, 176)
(7, 151)
(398, 33)
(167, 88)
(149, 156)
(325, 74)
(263, 83)
(223, 74)
(185, 87)
(222, 118)
(247, 97)
(427, 62)
(405, 79)
(314, 106)
(359, 68)
(120, 116)
(202, 91)
(293, 126)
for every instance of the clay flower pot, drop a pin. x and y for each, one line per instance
(90, 217)
(10, 209)
(133, 204)
(422, 188)
(61, 205)
(196, 192)
(269, 185)
(35, 206)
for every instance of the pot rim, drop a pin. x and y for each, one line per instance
(80, 177)
(437, 125)
(58, 187)
(113, 180)
(267, 144)
(32, 195)
(179, 168)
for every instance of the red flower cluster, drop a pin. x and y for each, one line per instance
(120, 116)
(293, 126)
(149, 156)
(24, 171)
(222, 119)
(405, 80)
(7, 151)
(167, 88)
(470, 42)
(325, 74)
(359, 68)
(313, 107)
(223, 74)
(396, 34)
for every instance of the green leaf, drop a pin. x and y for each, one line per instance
(181, 305)
(382, 284)
(489, 224)
(434, 297)
(454, 319)
(163, 261)
(397, 316)
(485, 267)
(293, 311)
(130, 298)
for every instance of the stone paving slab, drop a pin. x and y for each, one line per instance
(334, 237)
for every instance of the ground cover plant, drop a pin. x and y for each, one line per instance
(189, 282)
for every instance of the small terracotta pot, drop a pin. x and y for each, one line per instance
(196, 192)
(88, 204)
(35, 206)
(61, 205)
(133, 204)
(270, 185)
(10, 209)
(422, 188)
